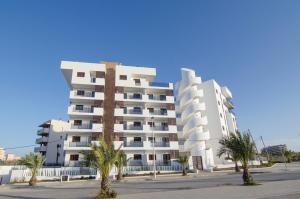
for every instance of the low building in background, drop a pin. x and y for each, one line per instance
(10, 157)
(204, 116)
(2, 154)
(277, 150)
(51, 136)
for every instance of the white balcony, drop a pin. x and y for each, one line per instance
(43, 131)
(228, 104)
(144, 84)
(146, 145)
(40, 149)
(85, 127)
(86, 111)
(226, 92)
(88, 95)
(87, 81)
(77, 146)
(143, 98)
(145, 129)
(41, 140)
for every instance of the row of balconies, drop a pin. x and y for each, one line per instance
(144, 113)
(41, 140)
(143, 83)
(93, 95)
(134, 145)
(40, 149)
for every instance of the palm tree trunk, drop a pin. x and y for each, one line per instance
(32, 181)
(247, 178)
(237, 168)
(105, 184)
(119, 176)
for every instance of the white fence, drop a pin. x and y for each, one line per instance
(10, 174)
(148, 169)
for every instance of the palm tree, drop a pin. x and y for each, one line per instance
(121, 161)
(242, 145)
(183, 160)
(288, 154)
(105, 156)
(89, 160)
(34, 161)
(226, 148)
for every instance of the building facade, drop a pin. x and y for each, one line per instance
(204, 116)
(51, 136)
(123, 105)
(2, 154)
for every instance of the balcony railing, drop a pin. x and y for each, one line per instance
(132, 127)
(133, 144)
(82, 126)
(86, 94)
(79, 144)
(133, 111)
(84, 110)
(160, 144)
(158, 84)
(158, 112)
(157, 97)
(159, 128)
(128, 96)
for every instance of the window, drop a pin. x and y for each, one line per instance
(223, 128)
(163, 111)
(151, 156)
(77, 122)
(137, 110)
(76, 139)
(80, 74)
(150, 96)
(123, 77)
(122, 138)
(151, 110)
(136, 96)
(219, 103)
(79, 107)
(137, 82)
(162, 97)
(137, 139)
(150, 139)
(137, 124)
(74, 157)
(221, 115)
(80, 92)
(137, 156)
(217, 91)
(151, 124)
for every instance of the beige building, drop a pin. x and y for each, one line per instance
(2, 154)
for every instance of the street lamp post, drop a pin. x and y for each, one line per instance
(153, 145)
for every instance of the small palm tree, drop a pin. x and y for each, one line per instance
(121, 161)
(183, 160)
(105, 156)
(227, 149)
(34, 161)
(89, 160)
(288, 154)
(242, 145)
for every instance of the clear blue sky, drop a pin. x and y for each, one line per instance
(253, 47)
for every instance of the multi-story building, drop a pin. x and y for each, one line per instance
(51, 136)
(204, 116)
(274, 150)
(124, 106)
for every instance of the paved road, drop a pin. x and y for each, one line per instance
(277, 182)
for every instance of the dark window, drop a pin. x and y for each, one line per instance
(150, 139)
(150, 96)
(151, 156)
(79, 107)
(123, 77)
(137, 124)
(137, 81)
(221, 115)
(76, 139)
(80, 92)
(151, 110)
(163, 111)
(162, 97)
(137, 156)
(137, 96)
(74, 157)
(137, 139)
(80, 74)
(217, 91)
(122, 138)
(77, 122)
(151, 124)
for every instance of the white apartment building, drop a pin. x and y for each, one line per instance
(204, 116)
(124, 105)
(51, 136)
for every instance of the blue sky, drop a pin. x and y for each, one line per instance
(253, 47)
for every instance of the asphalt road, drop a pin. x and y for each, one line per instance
(192, 185)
